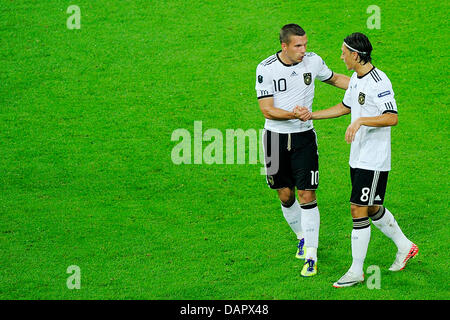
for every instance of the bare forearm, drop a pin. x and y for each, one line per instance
(278, 114)
(274, 113)
(333, 112)
(339, 80)
(384, 120)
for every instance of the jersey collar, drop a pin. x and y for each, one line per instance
(360, 77)
(284, 64)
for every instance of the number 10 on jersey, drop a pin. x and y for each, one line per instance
(280, 85)
(314, 177)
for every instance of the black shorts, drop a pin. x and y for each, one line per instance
(368, 187)
(291, 159)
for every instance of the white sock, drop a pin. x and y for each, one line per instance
(293, 216)
(310, 226)
(360, 243)
(385, 221)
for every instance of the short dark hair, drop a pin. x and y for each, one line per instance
(289, 30)
(360, 44)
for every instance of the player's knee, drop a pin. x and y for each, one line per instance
(372, 210)
(358, 211)
(288, 202)
(306, 196)
(287, 197)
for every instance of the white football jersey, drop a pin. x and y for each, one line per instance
(369, 96)
(290, 85)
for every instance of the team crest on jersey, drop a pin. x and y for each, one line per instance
(307, 77)
(361, 98)
(260, 79)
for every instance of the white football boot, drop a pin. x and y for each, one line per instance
(402, 258)
(349, 279)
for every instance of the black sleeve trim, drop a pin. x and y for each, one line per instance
(268, 96)
(332, 74)
(346, 105)
(390, 111)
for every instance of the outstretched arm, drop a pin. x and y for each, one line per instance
(339, 80)
(333, 112)
(304, 114)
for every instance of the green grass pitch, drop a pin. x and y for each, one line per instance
(87, 179)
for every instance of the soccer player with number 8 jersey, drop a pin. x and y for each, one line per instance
(370, 100)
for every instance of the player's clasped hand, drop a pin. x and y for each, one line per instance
(352, 129)
(302, 113)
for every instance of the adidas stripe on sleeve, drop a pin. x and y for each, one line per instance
(384, 97)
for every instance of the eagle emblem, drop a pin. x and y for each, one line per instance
(361, 98)
(307, 78)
